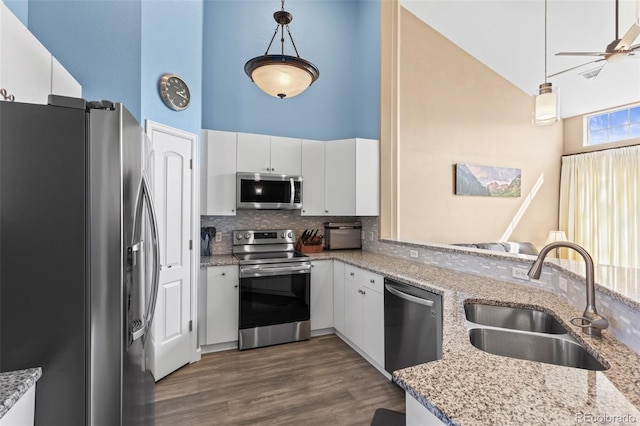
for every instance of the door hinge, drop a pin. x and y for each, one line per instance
(191, 164)
(190, 325)
(190, 244)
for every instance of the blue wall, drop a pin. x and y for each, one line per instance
(118, 49)
(172, 43)
(97, 41)
(20, 8)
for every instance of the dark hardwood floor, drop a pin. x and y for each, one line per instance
(321, 381)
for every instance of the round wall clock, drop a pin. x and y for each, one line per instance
(174, 92)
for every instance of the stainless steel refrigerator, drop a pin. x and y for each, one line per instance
(73, 295)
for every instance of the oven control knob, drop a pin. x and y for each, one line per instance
(247, 236)
(290, 235)
(282, 235)
(239, 236)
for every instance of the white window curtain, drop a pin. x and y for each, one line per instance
(600, 205)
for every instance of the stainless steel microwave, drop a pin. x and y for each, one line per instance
(268, 191)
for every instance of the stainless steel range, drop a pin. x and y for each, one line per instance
(274, 288)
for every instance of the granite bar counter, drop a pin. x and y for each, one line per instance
(14, 384)
(470, 386)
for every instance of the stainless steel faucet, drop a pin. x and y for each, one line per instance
(592, 323)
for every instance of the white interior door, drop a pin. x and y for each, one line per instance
(171, 162)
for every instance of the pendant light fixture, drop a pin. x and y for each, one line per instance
(545, 102)
(281, 76)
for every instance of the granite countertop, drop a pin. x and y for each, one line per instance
(14, 384)
(469, 386)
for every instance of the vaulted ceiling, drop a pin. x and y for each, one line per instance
(508, 36)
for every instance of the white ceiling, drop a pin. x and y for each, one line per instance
(508, 37)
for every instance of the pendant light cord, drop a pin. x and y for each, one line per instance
(545, 41)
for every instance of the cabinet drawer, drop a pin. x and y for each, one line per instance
(368, 279)
(219, 273)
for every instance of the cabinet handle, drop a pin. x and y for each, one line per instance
(6, 95)
(351, 273)
(304, 211)
(313, 266)
(233, 210)
(235, 286)
(372, 281)
(326, 211)
(224, 273)
(364, 292)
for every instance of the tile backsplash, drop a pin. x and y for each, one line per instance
(264, 219)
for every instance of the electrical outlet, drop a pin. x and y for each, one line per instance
(371, 236)
(562, 282)
(520, 273)
(219, 237)
(413, 253)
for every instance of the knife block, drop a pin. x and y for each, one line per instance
(308, 248)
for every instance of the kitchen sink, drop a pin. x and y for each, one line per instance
(513, 318)
(527, 334)
(534, 347)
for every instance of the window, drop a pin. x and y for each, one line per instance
(613, 126)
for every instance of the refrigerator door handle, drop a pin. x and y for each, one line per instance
(141, 328)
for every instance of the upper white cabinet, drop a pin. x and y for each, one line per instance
(254, 153)
(285, 156)
(340, 178)
(218, 173)
(313, 175)
(27, 69)
(268, 154)
(62, 82)
(367, 177)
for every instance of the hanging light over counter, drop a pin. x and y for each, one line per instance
(545, 102)
(282, 76)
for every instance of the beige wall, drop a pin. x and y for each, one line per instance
(453, 109)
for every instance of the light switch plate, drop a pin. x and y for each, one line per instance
(520, 273)
(219, 237)
(413, 253)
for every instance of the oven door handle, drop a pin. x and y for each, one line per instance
(267, 271)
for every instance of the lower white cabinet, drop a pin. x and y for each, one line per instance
(23, 411)
(321, 294)
(364, 311)
(222, 305)
(338, 296)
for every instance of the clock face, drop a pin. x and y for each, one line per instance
(175, 92)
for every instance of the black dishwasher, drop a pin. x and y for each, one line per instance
(412, 325)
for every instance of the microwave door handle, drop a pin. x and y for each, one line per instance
(293, 190)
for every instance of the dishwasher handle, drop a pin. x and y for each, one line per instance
(408, 297)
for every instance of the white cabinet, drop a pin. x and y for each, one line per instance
(285, 156)
(27, 69)
(62, 82)
(367, 177)
(321, 294)
(254, 153)
(222, 305)
(364, 311)
(268, 154)
(313, 175)
(340, 177)
(338, 296)
(23, 411)
(218, 173)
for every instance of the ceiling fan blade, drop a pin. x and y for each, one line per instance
(573, 68)
(635, 47)
(581, 54)
(627, 40)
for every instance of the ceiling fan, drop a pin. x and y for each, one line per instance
(616, 51)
